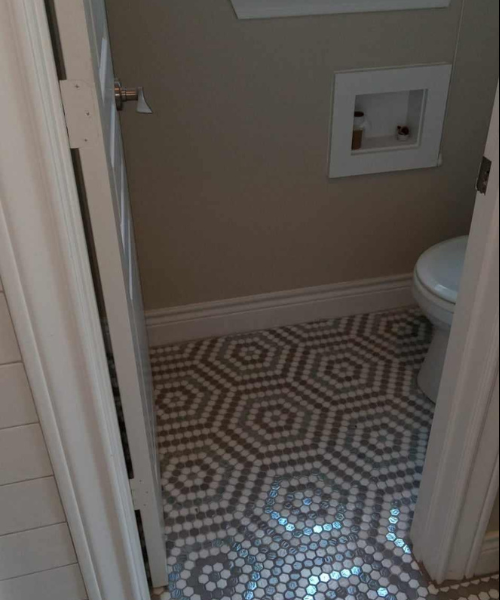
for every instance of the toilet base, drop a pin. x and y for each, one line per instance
(429, 379)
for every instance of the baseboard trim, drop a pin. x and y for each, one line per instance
(266, 311)
(490, 556)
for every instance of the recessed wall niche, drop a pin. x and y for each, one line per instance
(412, 99)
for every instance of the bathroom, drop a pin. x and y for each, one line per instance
(241, 229)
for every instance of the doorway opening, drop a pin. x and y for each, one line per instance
(290, 458)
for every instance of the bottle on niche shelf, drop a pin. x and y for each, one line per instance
(359, 130)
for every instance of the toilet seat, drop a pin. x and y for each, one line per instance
(440, 269)
(439, 311)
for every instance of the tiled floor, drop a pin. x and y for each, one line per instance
(292, 459)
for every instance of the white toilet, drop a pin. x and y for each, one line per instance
(436, 285)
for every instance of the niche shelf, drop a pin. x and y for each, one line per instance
(415, 97)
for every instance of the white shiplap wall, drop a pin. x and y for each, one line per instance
(37, 558)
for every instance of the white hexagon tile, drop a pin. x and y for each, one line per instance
(291, 462)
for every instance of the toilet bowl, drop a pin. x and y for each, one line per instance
(436, 285)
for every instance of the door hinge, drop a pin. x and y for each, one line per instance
(81, 113)
(484, 175)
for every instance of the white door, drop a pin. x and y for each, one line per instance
(460, 480)
(94, 129)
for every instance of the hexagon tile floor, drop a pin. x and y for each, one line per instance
(291, 461)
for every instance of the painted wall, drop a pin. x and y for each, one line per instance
(228, 178)
(37, 558)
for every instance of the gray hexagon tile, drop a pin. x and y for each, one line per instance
(291, 461)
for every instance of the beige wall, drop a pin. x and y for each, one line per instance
(228, 178)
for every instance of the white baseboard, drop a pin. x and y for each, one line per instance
(490, 556)
(266, 311)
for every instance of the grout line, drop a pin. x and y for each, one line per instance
(2, 485)
(5, 535)
(73, 564)
(30, 424)
(22, 531)
(21, 426)
(12, 363)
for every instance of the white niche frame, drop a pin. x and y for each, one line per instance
(423, 152)
(267, 9)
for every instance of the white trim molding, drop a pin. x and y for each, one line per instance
(47, 279)
(266, 311)
(427, 89)
(266, 9)
(489, 557)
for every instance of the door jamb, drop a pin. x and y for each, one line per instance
(47, 279)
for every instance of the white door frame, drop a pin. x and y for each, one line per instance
(461, 476)
(47, 278)
(46, 272)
